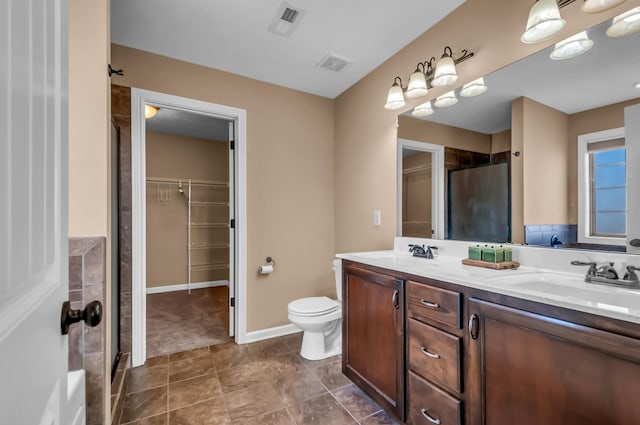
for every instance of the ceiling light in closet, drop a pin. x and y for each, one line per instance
(572, 46)
(150, 111)
(625, 24)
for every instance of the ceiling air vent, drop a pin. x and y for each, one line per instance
(333, 63)
(286, 20)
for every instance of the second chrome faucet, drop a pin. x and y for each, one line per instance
(606, 274)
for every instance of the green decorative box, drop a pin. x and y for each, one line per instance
(492, 254)
(508, 254)
(475, 253)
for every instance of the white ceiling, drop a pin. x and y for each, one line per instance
(190, 124)
(604, 75)
(233, 35)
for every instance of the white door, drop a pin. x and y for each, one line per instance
(632, 146)
(232, 232)
(33, 211)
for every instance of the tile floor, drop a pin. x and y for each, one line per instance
(179, 321)
(264, 383)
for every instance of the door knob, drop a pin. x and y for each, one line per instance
(91, 315)
(635, 242)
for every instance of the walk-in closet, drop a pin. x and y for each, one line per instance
(187, 231)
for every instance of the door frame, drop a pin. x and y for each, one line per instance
(437, 179)
(140, 97)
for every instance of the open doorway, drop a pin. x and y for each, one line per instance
(188, 230)
(187, 180)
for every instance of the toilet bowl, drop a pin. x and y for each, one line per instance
(321, 320)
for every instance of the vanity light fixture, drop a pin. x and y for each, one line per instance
(150, 111)
(474, 88)
(445, 70)
(596, 6)
(423, 110)
(417, 86)
(572, 46)
(625, 24)
(446, 100)
(544, 21)
(637, 85)
(395, 98)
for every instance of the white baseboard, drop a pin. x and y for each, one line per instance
(274, 332)
(184, 286)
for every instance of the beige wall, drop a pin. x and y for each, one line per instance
(179, 157)
(366, 133)
(444, 135)
(545, 157)
(604, 118)
(290, 173)
(89, 140)
(501, 142)
(517, 171)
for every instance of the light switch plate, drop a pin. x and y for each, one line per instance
(377, 219)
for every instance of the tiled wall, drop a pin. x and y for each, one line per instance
(540, 234)
(86, 345)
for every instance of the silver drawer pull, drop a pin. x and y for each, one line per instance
(429, 418)
(429, 353)
(429, 304)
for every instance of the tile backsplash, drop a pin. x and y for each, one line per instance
(541, 234)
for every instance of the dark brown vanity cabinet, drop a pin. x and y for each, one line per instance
(434, 355)
(373, 335)
(530, 369)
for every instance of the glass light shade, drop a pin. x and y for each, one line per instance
(150, 111)
(445, 72)
(544, 21)
(423, 110)
(572, 46)
(595, 6)
(625, 24)
(474, 88)
(447, 99)
(417, 86)
(395, 98)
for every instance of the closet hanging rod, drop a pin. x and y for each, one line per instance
(186, 181)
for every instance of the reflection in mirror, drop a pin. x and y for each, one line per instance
(416, 193)
(533, 114)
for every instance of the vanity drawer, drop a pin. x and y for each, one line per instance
(435, 355)
(430, 405)
(426, 301)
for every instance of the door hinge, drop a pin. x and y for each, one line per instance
(233, 223)
(232, 302)
(232, 144)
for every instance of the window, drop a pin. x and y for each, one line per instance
(602, 188)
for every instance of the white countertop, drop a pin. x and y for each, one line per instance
(559, 286)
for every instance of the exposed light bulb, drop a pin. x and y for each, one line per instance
(544, 21)
(572, 46)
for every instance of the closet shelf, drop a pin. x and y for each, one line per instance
(209, 183)
(210, 246)
(209, 204)
(207, 225)
(206, 267)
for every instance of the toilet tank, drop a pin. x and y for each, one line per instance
(337, 268)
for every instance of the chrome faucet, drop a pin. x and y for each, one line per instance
(421, 251)
(606, 274)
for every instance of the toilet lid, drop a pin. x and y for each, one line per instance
(313, 306)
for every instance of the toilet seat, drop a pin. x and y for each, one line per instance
(313, 306)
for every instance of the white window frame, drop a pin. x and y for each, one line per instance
(584, 193)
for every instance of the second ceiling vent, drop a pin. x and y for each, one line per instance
(286, 20)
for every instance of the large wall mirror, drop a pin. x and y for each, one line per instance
(543, 157)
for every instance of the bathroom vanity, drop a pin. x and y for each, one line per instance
(436, 342)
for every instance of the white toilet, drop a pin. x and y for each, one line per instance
(321, 320)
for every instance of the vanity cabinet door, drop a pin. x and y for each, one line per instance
(373, 335)
(529, 369)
